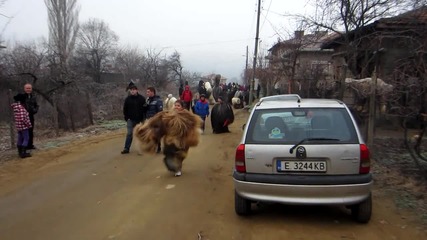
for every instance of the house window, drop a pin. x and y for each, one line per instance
(321, 66)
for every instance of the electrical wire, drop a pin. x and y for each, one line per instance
(253, 21)
(274, 28)
(204, 44)
(265, 17)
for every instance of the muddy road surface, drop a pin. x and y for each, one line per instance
(88, 190)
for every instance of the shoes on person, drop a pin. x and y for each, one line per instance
(31, 147)
(177, 174)
(125, 151)
(23, 152)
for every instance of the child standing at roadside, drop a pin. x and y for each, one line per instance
(22, 124)
(202, 109)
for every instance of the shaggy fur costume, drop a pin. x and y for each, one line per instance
(179, 131)
(222, 116)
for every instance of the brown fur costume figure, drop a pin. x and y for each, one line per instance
(179, 130)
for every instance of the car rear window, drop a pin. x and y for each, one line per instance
(291, 125)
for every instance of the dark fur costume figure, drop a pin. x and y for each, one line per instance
(217, 90)
(221, 117)
(179, 131)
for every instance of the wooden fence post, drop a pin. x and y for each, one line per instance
(70, 112)
(371, 119)
(55, 116)
(89, 108)
(12, 121)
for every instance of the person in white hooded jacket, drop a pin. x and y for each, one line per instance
(169, 102)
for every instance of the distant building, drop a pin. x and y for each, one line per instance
(396, 47)
(299, 63)
(392, 38)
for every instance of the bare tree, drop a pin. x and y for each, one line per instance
(265, 75)
(155, 69)
(129, 62)
(24, 59)
(63, 27)
(96, 44)
(175, 66)
(2, 2)
(191, 77)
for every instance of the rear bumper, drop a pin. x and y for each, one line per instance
(305, 190)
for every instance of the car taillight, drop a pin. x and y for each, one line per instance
(240, 159)
(365, 161)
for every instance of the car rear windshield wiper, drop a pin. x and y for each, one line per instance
(311, 139)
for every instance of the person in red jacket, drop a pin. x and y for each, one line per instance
(187, 97)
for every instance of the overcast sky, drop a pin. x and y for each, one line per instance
(210, 35)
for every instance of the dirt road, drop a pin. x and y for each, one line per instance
(88, 190)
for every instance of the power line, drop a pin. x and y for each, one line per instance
(253, 20)
(209, 43)
(273, 27)
(268, 10)
(1, 14)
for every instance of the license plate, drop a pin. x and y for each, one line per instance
(301, 166)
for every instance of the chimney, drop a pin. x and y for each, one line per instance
(299, 34)
(320, 33)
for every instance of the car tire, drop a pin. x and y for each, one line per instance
(362, 212)
(241, 206)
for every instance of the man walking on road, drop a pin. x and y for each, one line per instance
(134, 111)
(154, 105)
(32, 108)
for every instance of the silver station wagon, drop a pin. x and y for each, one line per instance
(305, 152)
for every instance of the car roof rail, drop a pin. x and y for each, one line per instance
(282, 97)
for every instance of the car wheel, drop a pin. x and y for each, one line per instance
(241, 206)
(362, 212)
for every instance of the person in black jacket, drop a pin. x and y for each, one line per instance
(202, 88)
(134, 111)
(154, 105)
(181, 89)
(32, 108)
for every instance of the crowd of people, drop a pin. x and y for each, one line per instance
(138, 109)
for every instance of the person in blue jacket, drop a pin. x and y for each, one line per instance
(202, 109)
(154, 105)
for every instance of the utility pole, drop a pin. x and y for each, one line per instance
(12, 120)
(372, 102)
(251, 92)
(371, 120)
(246, 66)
